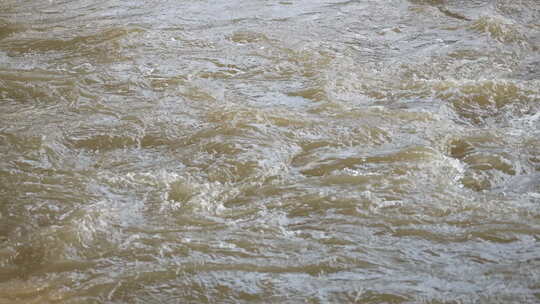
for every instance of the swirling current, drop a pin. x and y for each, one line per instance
(321, 151)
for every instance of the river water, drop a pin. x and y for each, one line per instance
(321, 151)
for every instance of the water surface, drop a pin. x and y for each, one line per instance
(270, 151)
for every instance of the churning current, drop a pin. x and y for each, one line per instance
(266, 151)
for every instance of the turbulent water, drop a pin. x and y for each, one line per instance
(318, 151)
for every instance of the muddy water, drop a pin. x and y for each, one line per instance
(320, 151)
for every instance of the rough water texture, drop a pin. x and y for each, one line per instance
(270, 151)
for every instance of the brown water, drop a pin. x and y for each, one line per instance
(319, 151)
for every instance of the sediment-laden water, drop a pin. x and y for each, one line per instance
(270, 151)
